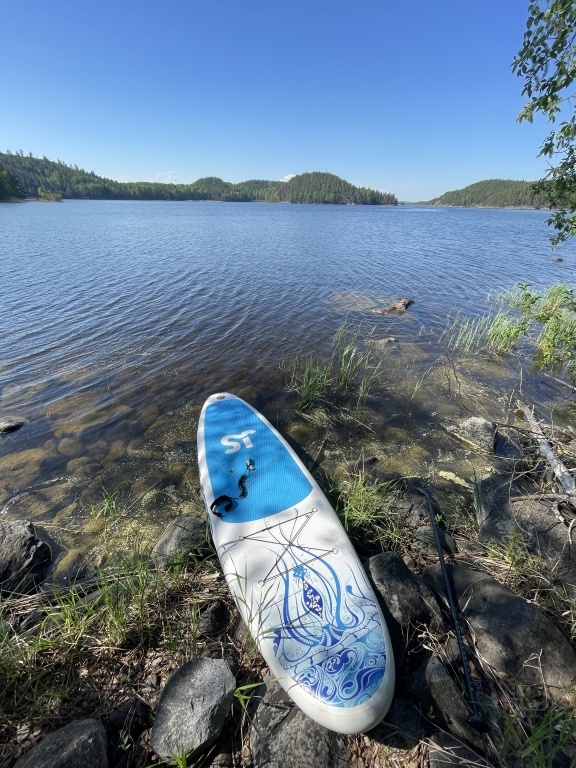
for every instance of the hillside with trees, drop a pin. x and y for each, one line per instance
(8, 189)
(493, 193)
(327, 188)
(69, 181)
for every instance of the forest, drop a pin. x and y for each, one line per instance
(326, 188)
(493, 193)
(57, 178)
(8, 189)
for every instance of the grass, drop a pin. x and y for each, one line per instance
(92, 645)
(348, 370)
(89, 655)
(500, 334)
(84, 648)
(544, 321)
(367, 510)
(522, 566)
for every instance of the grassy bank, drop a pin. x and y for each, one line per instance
(84, 649)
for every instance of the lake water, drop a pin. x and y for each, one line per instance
(119, 318)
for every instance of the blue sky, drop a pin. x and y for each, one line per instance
(412, 97)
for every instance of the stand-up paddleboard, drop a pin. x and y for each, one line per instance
(292, 571)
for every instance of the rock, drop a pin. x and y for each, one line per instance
(409, 506)
(398, 305)
(213, 620)
(491, 501)
(124, 727)
(80, 744)
(402, 728)
(435, 692)
(24, 558)
(382, 345)
(512, 635)
(241, 635)
(447, 751)
(425, 540)
(10, 424)
(193, 707)
(409, 600)
(543, 532)
(283, 736)
(475, 431)
(133, 717)
(179, 540)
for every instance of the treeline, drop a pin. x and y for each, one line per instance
(69, 181)
(493, 193)
(327, 188)
(8, 188)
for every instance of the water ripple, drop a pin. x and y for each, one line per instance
(197, 291)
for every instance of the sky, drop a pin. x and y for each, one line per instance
(414, 98)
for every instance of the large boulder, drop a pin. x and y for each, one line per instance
(193, 707)
(410, 601)
(436, 693)
(504, 507)
(24, 558)
(512, 635)
(282, 735)
(80, 744)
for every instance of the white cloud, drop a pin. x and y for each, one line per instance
(288, 177)
(165, 177)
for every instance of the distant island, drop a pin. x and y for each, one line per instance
(45, 179)
(492, 193)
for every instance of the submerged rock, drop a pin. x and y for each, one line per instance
(397, 306)
(282, 735)
(24, 558)
(9, 424)
(80, 744)
(183, 536)
(193, 707)
(475, 431)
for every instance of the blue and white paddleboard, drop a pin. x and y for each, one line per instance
(292, 571)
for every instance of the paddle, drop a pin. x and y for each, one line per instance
(476, 719)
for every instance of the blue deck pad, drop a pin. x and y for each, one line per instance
(233, 433)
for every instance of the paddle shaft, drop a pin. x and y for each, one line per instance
(476, 720)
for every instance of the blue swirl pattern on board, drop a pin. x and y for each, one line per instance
(331, 640)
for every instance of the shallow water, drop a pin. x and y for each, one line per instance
(119, 318)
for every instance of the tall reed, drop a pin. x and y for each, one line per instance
(348, 370)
